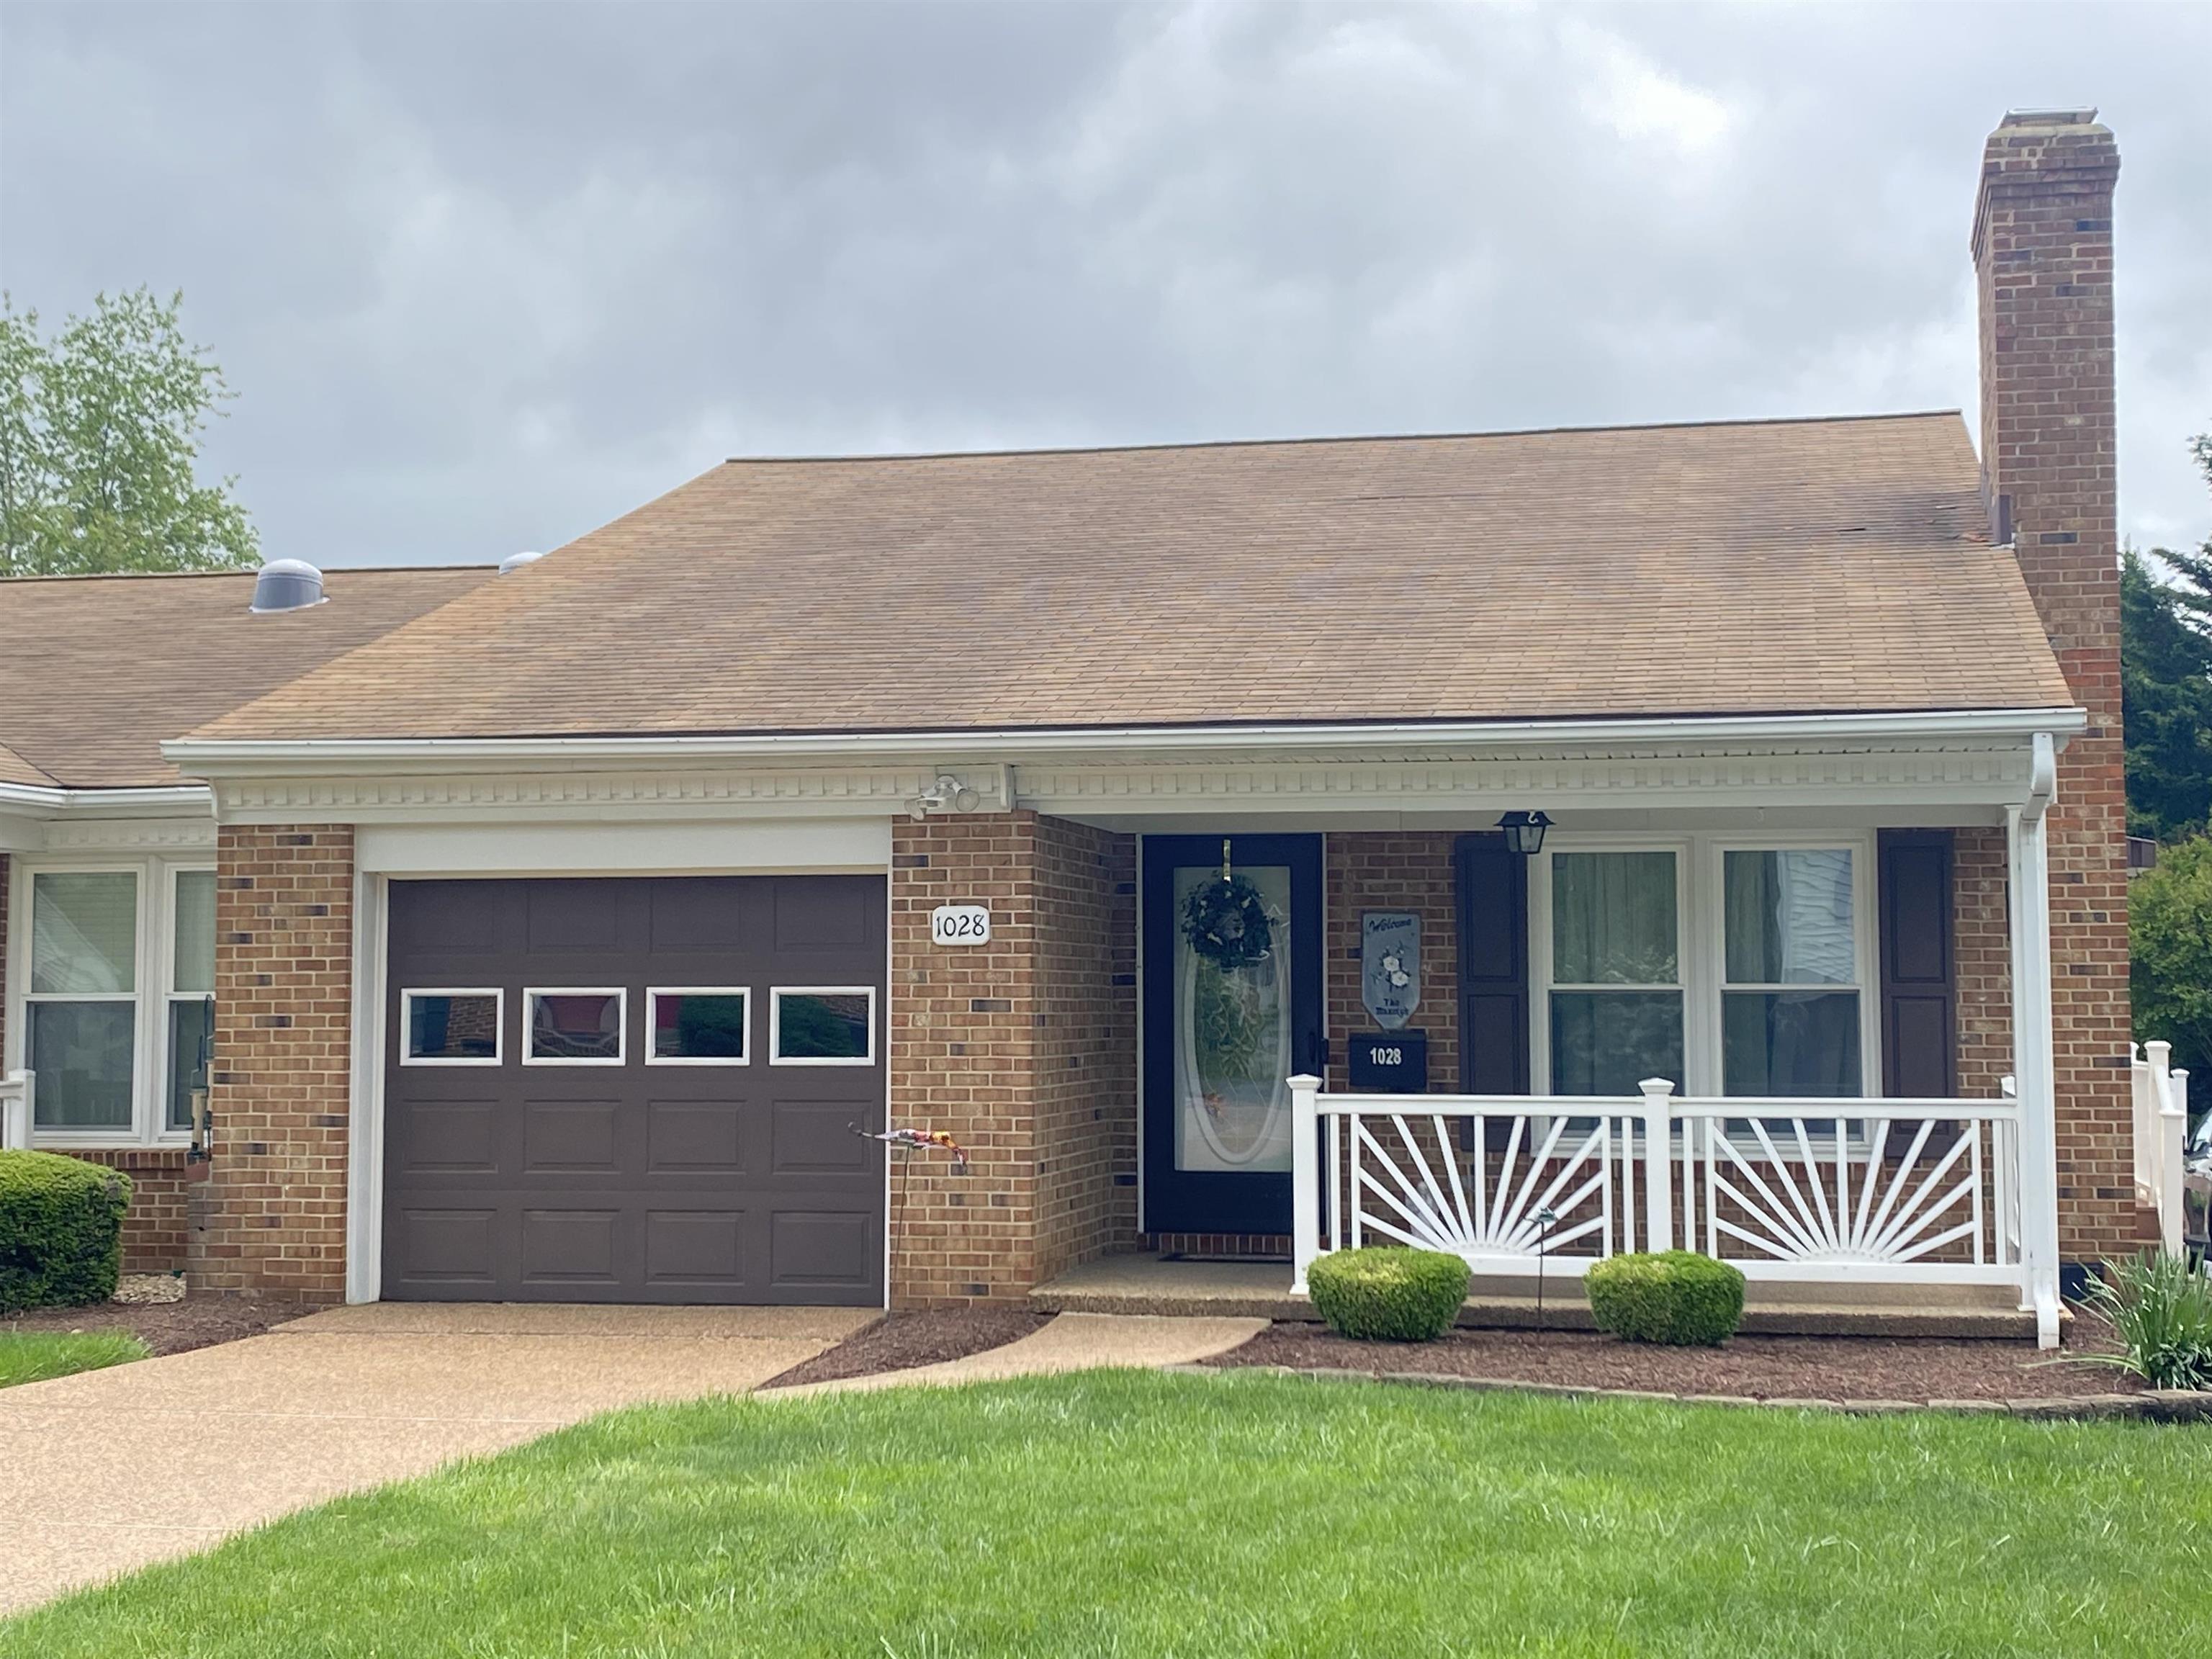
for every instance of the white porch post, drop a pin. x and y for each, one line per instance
(15, 1104)
(2163, 1133)
(1659, 1162)
(2035, 1061)
(1305, 1179)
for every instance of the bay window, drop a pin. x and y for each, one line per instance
(1726, 965)
(111, 986)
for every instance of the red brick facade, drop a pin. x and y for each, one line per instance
(274, 1221)
(1023, 1049)
(2043, 259)
(1394, 870)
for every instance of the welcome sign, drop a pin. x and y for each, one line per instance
(1390, 965)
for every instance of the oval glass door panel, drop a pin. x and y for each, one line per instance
(1233, 1032)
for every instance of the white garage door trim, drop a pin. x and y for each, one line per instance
(364, 1226)
(798, 846)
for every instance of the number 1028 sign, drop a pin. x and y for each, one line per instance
(960, 924)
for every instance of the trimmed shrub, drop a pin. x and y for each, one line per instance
(61, 1230)
(1384, 1295)
(1675, 1296)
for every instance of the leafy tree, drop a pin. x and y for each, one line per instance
(2166, 684)
(100, 431)
(2170, 925)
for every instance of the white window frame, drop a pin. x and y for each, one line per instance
(776, 996)
(530, 996)
(498, 1055)
(654, 993)
(1700, 893)
(154, 968)
(171, 996)
(1865, 943)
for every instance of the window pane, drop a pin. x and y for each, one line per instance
(192, 1038)
(195, 959)
(1789, 918)
(1607, 1042)
(575, 1025)
(1790, 1043)
(441, 1027)
(699, 1026)
(1613, 919)
(82, 1054)
(822, 1024)
(84, 932)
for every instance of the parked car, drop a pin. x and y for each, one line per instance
(2196, 1192)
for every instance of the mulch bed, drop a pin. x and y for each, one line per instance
(899, 1341)
(1758, 1367)
(197, 1321)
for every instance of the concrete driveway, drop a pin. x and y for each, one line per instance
(107, 1471)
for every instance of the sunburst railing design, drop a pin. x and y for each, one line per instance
(1898, 1191)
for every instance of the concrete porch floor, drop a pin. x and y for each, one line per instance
(1149, 1284)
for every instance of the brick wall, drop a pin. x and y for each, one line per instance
(274, 1220)
(1982, 936)
(2043, 257)
(1085, 1056)
(1023, 1049)
(1394, 870)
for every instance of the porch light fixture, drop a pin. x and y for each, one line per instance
(1525, 832)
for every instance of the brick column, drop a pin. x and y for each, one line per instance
(272, 1218)
(1022, 1050)
(2043, 259)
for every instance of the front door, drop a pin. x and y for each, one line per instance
(1232, 1009)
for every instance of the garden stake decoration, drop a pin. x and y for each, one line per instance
(1545, 1218)
(919, 1139)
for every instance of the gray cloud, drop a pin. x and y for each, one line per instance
(486, 275)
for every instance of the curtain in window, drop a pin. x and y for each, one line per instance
(83, 1013)
(1614, 924)
(1788, 921)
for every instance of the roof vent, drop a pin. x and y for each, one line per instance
(287, 585)
(515, 562)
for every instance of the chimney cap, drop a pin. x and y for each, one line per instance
(2068, 115)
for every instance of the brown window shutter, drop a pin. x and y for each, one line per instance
(1919, 974)
(1493, 966)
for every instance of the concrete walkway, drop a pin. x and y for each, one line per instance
(1071, 1342)
(107, 1471)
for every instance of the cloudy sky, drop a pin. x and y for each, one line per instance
(484, 275)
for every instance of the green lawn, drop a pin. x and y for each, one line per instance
(34, 1356)
(1139, 1514)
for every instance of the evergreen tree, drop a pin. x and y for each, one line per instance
(2166, 684)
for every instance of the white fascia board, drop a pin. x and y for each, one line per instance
(212, 757)
(164, 801)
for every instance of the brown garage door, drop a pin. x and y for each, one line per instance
(635, 1090)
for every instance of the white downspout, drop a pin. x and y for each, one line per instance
(2034, 1058)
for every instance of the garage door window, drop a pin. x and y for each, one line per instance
(451, 1028)
(575, 1027)
(697, 1025)
(823, 1025)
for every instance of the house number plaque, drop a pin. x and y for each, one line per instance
(960, 924)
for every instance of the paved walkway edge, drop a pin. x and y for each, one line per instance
(1071, 1342)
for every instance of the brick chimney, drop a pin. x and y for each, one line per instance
(2043, 260)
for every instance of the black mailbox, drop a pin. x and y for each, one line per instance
(1390, 1062)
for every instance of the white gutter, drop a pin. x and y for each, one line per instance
(206, 757)
(165, 801)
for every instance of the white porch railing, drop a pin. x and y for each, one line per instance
(2161, 1130)
(1819, 1191)
(16, 1103)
